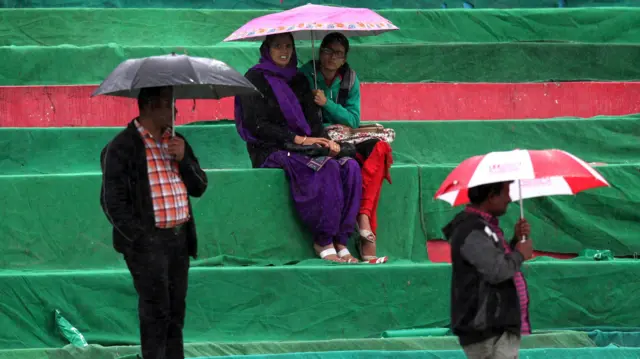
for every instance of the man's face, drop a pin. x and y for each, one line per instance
(160, 108)
(499, 203)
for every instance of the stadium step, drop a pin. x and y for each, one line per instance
(305, 302)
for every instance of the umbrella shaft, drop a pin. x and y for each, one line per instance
(313, 58)
(521, 204)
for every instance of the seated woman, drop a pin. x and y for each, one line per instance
(338, 93)
(282, 127)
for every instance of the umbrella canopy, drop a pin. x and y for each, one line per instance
(536, 173)
(311, 22)
(190, 77)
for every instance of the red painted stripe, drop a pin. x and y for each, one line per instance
(439, 252)
(72, 106)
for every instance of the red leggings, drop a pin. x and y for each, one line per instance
(375, 169)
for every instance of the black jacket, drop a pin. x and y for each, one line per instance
(264, 119)
(125, 195)
(484, 299)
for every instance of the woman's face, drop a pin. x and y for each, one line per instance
(281, 50)
(332, 57)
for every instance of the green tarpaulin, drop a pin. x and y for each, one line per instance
(451, 62)
(84, 27)
(562, 339)
(607, 139)
(277, 4)
(50, 183)
(310, 301)
(47, 217)
(409, 215)
(243, 297)
(600, 353)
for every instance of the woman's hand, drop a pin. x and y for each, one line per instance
(319, 98)
(334, 149)
(317, 141)
(309, 141)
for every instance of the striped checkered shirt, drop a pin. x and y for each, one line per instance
(518, 278)
(168, 192)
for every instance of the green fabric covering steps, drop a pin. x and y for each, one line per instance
(83, 27)
(619, 338)
(47, 216)
(47, 171)
(611, 352)
(607, 139)
(556, 339)
(291, 303)
(561, 224)
(566, 339)
(277, 4)
(423, 332)
(50, 215)
(220, 4)
(450, 62)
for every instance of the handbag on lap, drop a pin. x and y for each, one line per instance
(345, 134)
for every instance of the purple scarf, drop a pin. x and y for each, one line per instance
(278, 79)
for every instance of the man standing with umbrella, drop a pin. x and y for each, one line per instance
(149, 172)
(489, 302)
(489, 299)
(148, 176)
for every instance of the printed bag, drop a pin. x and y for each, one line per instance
(340, 133)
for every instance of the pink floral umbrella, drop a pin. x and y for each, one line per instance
(310, 22)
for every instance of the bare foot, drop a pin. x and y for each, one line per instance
(333, 256)
(368, 243)
(347, 258)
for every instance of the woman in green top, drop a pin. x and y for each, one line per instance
(338, 94)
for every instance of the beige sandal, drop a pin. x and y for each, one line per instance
(344, 252)
(330, 252)
(368, 236)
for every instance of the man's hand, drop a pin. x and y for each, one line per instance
(525, 248)
(319, 98)
(176, 148)
(522, 228)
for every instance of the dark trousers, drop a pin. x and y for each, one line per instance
(159, 266)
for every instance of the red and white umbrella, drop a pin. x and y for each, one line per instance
(535, 174)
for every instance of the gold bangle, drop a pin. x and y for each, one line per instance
(304, 139)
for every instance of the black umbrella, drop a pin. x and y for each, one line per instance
(190, 77)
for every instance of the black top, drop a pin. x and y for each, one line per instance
(125, 195)
(484, 298)
(263, 118)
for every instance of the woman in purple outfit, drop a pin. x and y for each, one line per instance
(283, 129)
